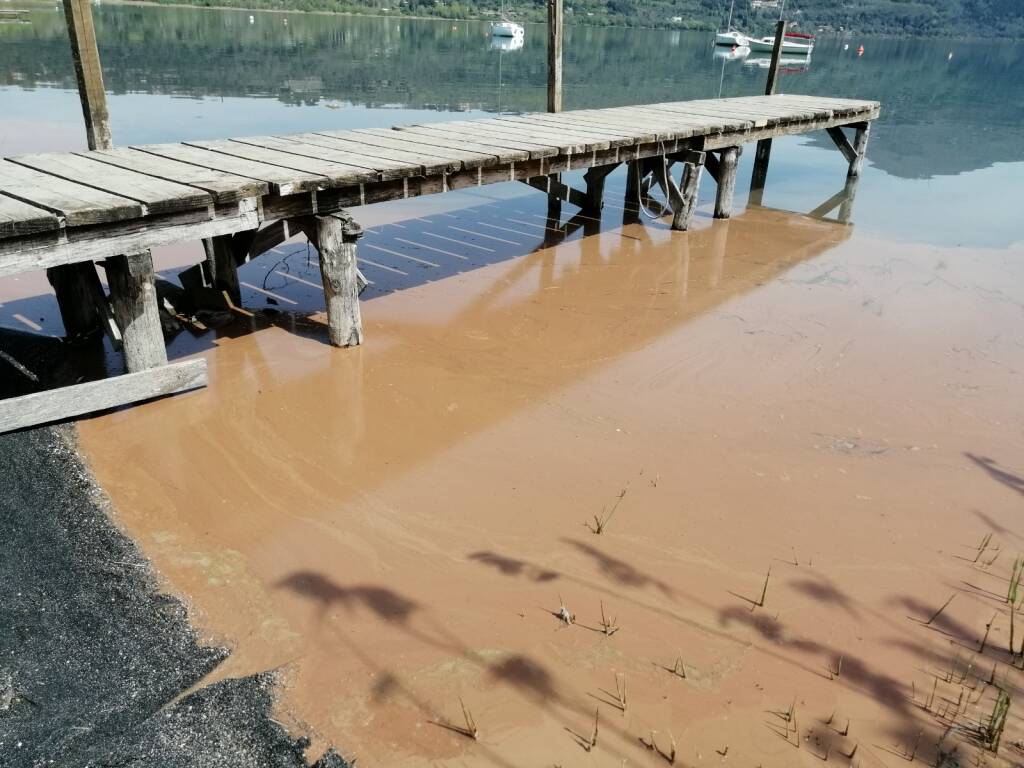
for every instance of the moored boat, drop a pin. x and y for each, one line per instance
(506, 28)
(732, 38)
(794, 43)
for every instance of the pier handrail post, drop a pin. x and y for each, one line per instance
(764, 146)
(773, 70)
(77, 286)
(555, 24)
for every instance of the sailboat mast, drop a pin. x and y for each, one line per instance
(728, 26)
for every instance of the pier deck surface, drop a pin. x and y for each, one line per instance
(62, 208)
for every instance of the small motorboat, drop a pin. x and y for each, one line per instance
(506, 28)
(794, 43)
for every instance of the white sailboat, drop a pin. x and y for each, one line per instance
(794, 43)
(506, 27)
(732, 37)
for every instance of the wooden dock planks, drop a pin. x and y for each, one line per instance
(41, 193)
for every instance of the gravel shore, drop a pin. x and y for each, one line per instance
(93, 657)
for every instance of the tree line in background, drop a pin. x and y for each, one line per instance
(932, 18)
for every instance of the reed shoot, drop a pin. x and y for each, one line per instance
(944, 606)
(608, 626)
(764, 589)
(601, 521)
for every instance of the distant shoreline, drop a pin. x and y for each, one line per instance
(697, 27)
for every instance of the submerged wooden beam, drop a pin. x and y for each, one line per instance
(68, 402)
(133, 296)
(337, 234)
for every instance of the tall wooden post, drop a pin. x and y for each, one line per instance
(337, 234)
(555, 24)
(764, 147)
(555, 20)
(78, 15)
(77, 286)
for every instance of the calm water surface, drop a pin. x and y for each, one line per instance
(946, 159)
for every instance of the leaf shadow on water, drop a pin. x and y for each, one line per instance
(516, 670)
(1011, 480)
(619, 570)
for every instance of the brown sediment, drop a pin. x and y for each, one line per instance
(398, 526)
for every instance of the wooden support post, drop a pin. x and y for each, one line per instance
(860, 146)
(760, 173)
(727, 166)
(773, 68)
(595, 178)
(76, 287)
(683, 215)
(133, 295)
(337, 234)
(82, 304)
(221, 267)
(764, 146)
(78, 16)
(555, 24)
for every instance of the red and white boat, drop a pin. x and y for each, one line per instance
(794, 44)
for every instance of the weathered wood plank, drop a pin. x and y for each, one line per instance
(421, 163)
(282, 181)
(95, 243)
(18, 218)
(438, 141)
(386, 169)
(77, 204)
(68, 402)
(726, 178)
(156, 195)
(386, 137)
(224, 187)
(452, 131)
(336, 173)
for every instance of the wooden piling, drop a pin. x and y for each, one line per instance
(682, 216)
(555, 24)
(78, 16)
(727, 166)
(133, 296)
(773, 69)
(79, 296)
(337, 234)
(860, 147)
(764, 146)
(221, 267)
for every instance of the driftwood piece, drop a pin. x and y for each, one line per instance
(68, 402)
(337, 234)
(133, 296)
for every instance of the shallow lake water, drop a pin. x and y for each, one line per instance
(779, 408)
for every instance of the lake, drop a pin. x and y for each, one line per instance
(952, 124)
(794, 431)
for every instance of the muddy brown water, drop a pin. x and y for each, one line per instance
(396, 527)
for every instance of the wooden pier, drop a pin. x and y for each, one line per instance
(244, 196)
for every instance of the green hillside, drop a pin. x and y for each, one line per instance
(933, 18)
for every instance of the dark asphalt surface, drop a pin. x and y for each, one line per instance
(92, 655)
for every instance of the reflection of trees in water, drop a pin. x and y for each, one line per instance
(929, 101)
